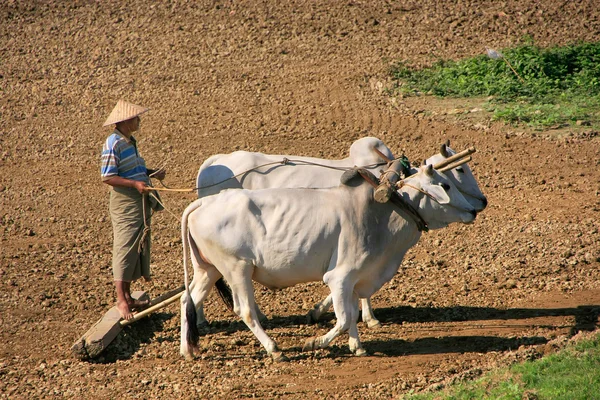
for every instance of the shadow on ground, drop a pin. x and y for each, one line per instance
(586, 319)
(450, 344)
(130, 339)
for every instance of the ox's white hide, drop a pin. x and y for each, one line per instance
(282, 237)
(220, 171)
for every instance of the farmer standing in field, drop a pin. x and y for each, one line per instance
(131, 203)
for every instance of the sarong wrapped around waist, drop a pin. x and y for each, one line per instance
(127, 216)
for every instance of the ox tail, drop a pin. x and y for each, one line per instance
(193, 335)
(225, 293)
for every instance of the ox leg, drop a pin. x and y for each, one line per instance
(367, 314)
(345, 305)
(199, 305)
(205, 276)
(202, 284)
(245, 306)
(261, 317)
(354, 341)
(318, 310)
(201, 319)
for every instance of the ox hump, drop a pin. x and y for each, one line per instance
(356, 176)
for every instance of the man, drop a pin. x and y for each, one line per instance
(124, 169)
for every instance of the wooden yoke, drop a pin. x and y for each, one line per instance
(454, 158)
(388, 181)
(455, 164)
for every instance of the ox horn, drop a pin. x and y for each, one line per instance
(454, 158)
(429, 170)
(444, 149)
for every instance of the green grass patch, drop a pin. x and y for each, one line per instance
(528, 85)
(571, 374)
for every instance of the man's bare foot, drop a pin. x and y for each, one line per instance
(124, 310)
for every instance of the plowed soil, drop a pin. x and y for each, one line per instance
(291, 77)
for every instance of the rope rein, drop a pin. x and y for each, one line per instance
(392, 172)
(163, 205)
(402, 184)
(285, 161)
(422, 225)
(146, 229)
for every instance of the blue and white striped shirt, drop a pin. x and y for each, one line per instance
(120, 157)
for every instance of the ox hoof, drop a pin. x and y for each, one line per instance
(360, 353)
(374, 324)
(310, 318)
(187, 356)
(309, 345)
(278, 356)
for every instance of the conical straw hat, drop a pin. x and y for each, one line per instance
(124, 111)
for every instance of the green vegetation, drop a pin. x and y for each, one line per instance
(573, 374)
(544, 88)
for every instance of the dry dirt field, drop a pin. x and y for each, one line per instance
(290, 77)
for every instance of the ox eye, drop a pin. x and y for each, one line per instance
(462, 171)
(445, 186)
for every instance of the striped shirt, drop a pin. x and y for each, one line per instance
(120, 157)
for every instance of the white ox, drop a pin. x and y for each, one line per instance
(249, 170)
(281, 237)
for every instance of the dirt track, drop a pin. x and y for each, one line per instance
(294, 78)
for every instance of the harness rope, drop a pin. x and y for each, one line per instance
(400, 203)
(146, 229)
(285, 161)
(163, 205)
(396, 199)
(401, 184)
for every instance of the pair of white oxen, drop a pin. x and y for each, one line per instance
(296, 223)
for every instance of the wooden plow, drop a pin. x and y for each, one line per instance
(103, 332)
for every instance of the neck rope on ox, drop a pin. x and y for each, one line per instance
(402, 184)
(398, 202)
(408, 208)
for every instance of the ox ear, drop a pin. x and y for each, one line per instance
(444, 149)
(438, 193)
